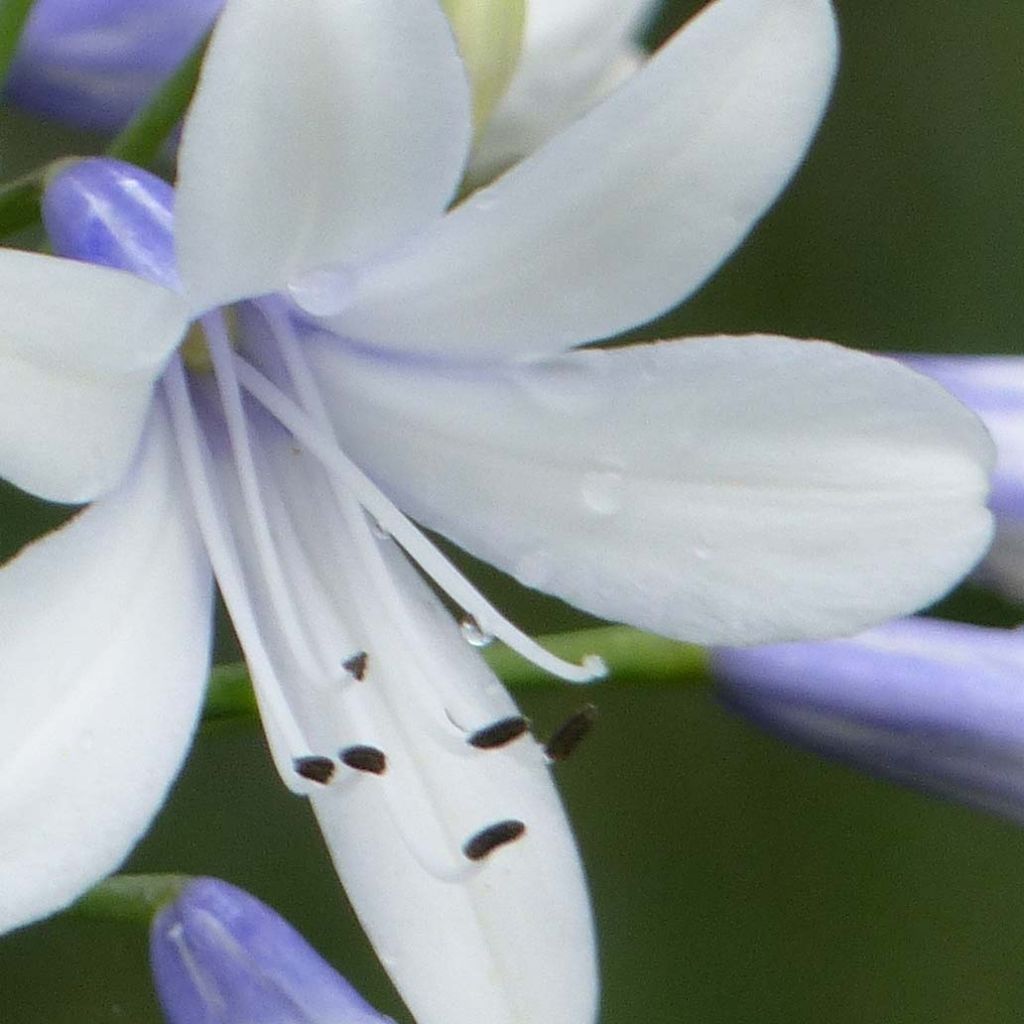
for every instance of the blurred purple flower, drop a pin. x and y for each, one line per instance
(220, 956)
(933, 704)
(94, 64)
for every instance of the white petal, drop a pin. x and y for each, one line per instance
(512, 942)
(80, 349)
(574, 52)
(350, 133)
(722, 490)
(106, 627)
(630, 209)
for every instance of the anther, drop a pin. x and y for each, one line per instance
(315, 768)
(356, 665)
(567, 737)
(489, 839)
(365, 759)
(499, 733)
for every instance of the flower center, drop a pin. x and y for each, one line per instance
(345, 641)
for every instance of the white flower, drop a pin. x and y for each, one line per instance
(573, 53)
(718, 490)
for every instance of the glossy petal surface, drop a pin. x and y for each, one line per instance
(80, 350)
(626, 212)
(104, 660)
(350, 135)
(716, 490)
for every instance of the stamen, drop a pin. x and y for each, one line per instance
(489, 839)
(501, 732)
(314, 768)
(365, 759)
(568, 736)
(289, 622)
(416, 545)
(282, 727)
(356, 665)
(360, 526)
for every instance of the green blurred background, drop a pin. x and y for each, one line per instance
(734, 879)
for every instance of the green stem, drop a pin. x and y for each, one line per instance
(632, 657)
(132, 898)
(13, 15)
(19, 201)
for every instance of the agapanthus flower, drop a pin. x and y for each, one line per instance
(257, 380)
(220, 956)
(933, 704)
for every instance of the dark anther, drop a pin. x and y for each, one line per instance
(356, 665)
(568, 735)
(479, 846)
(316, 769)
(365, 759)
(499, 733)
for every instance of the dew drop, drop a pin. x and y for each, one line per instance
(325, 291)
(473, 634)
(603, 492)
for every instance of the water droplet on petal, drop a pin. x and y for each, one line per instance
(325, 291)
(473, 634)
(603, 492)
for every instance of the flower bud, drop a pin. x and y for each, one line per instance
(94, 63)
(220, 956)
(108, 212)
(936, 705)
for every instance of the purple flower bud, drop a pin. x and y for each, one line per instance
(220, 956)
(937, 705)
(108, 212)
(94, 63)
